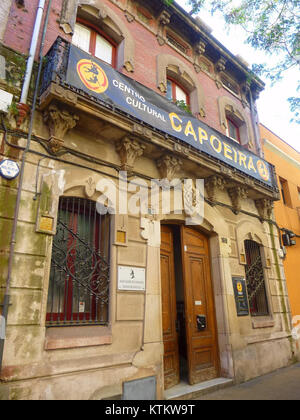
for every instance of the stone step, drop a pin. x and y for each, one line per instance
(184, 391)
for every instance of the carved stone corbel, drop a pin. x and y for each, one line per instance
(245, 89)
(129, 11)
(199, 50)
(68, 15)
(168, 165)
(102, 12)
(163, 20)
(219, 67)
(129, 150)
(130, 17)
(213, 184)
(264, 208)
(59, 122)
(237, 194)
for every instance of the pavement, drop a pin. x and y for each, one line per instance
(283, 384)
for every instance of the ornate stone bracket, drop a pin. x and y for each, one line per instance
(213, 184)
(168, 165)
(236, 194)
(164, 19)
(219, 67)
(199, 50)
(264, 208)
(129, 150)
(59, 122)
(245, 89)
(129, 14)
(68, 15)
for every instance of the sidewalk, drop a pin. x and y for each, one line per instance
(283, 384)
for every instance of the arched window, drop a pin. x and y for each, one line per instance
(233, 130)
(255, 279)
(79, 276)
(176, 92)
(236, 122)
(178, 82)
(91, 40)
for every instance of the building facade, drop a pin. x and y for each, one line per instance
(287, 211)
(131, 92)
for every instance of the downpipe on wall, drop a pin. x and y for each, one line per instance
(23, 101)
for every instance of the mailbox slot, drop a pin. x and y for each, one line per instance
(201, 322)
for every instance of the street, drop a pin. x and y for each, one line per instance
(283, 384)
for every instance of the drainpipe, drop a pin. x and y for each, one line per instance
(23, 106)
(37, 27)
(255, 126)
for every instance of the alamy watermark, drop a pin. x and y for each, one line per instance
(162, 197)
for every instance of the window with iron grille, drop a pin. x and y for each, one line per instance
(79, 277)
(255, 279)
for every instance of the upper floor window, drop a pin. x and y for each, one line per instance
(92, 41)
(176, 93)
(285, 192)
(233, 130)
(80, 265)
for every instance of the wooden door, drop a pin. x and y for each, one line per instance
(202, 347)
(170, 337)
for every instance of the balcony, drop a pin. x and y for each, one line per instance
(98, 92)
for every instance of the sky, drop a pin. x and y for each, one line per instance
(273, 107)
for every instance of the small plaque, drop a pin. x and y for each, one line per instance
(131, 278)
(46, 224)
(9, 169)
(241, 298)
(121, 237)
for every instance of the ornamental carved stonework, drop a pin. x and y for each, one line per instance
(164, 20)
(199, 49)
(90, 187)
(264, 208)
(237, 194)
(213, 184)
(220, 66)
(129, 149)
(59, 122)
(168, 165)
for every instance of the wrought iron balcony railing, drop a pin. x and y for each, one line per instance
(56, 64)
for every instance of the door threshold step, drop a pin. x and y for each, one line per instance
(184, 391)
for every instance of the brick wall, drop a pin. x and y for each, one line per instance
(20, 26)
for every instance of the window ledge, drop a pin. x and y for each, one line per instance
(263, 323)
(74, 337)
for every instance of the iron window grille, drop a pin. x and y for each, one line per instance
(80, 265)
(255, 279)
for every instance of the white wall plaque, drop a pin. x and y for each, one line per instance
(131, 278)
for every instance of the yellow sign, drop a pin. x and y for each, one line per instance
(92, 76)
(239, 287)
(46, 224)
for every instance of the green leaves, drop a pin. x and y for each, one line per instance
(272, 26)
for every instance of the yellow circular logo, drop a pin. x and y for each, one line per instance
(92, 76)
(239, 287)
(263, 170)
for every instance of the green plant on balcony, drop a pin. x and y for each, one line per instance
(183, 106)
